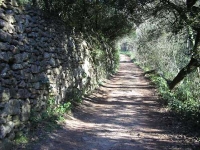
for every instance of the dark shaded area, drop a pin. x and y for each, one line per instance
(131, 116)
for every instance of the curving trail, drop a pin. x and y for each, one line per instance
(123, 114)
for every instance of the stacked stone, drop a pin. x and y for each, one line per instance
(38, 59)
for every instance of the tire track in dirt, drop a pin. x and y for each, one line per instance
(122, 114)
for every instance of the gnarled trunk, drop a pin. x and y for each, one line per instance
(192, 66)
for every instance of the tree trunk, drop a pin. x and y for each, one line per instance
(192, 66)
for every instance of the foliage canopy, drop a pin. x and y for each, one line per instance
(114, 18)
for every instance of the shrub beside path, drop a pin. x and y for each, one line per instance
(122, 114)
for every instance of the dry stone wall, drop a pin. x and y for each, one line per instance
(40, 58)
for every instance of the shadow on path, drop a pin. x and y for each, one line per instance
(122, 114)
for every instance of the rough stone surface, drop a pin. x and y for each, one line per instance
(13, 107)
(39, 58)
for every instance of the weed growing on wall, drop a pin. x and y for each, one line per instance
(51, 116)
(21, 138)
(23, 2)
(48, 120)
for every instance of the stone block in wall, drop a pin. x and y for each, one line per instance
(53, 89)
(33, 35)
(22, 84)
(4, 46)
(26, 108)
(28, 30)
(8, 17)
(57, 71)
(14, 49)
(18, 58)
(47, 56)
(42, 44)
(16, 120)
(4, 94)
(3, 23)
(39, 105)
(13, 92)
(26, 65)
(3, 66)
(5, 37)
(5, 129)
(37, 85)
(3, 57)
(23, 94)
(33, 79)
(13, 107)
(33, 96)
(33, 103)
(52, 62)
(14, 42)
(25, 56)
(35, 29)
(2, 15)
(14, 3)
(6, 72)
(17, 66)
(35, 69)
(8, 28)
(52, 79)
(9, 82)
(3, 120)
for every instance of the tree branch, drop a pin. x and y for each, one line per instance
(192, 65)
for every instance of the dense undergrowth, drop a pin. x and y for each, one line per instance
(180, 101)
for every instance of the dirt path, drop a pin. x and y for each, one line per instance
(121, 115)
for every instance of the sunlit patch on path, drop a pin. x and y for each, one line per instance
(123, 114)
